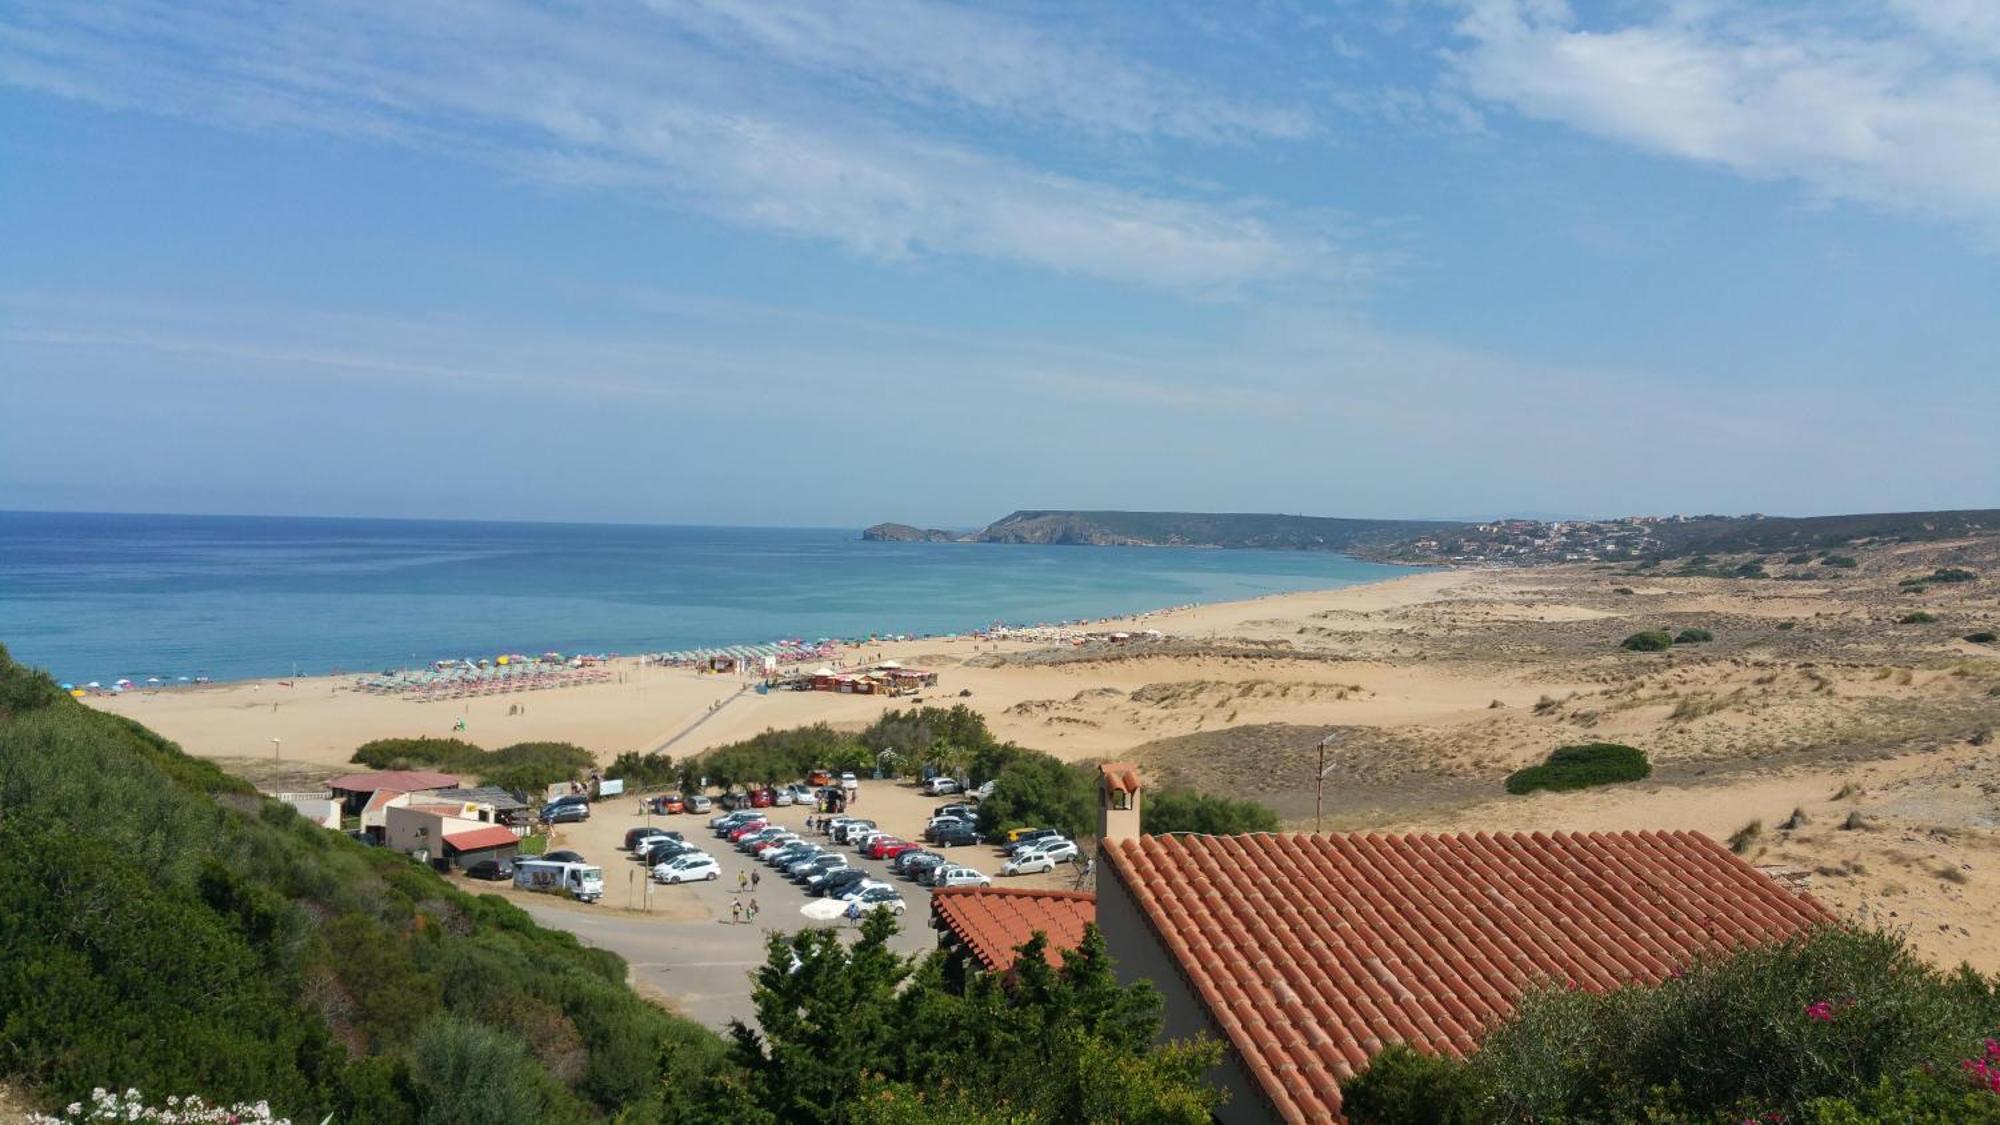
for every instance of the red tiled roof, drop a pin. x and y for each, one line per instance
(381, 799)
(1121, 777)
(406, 780)
(474, 839)
(992, 921)
(1311, 953)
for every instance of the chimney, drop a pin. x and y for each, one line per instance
(1117, 802)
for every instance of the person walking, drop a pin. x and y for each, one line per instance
(742, 881)
(756, 877)
(735, 912)
(751, 909)
(854, 912)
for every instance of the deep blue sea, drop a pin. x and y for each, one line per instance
(100, 597)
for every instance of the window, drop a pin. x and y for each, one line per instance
(1120, 799)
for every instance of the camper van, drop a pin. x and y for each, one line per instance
(582, 880)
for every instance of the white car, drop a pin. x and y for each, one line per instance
(1042, 858)
(879, 897)
(939, 786)
(863, 886)
(859, 840)
(982, 792)
(785, 797)
(961, 877)
(765, 849)
(849, 781)
(688, 869)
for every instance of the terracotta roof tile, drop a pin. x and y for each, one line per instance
(1121, 777)
(1311, 953)
(405, 780)
(993, 921)
(473, 839)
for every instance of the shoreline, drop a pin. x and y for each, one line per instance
(604, 657)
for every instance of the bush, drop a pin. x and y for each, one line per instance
(1653, 640)
(1983, 637)
(525, 767)
(1917, 618)
(1693, 637)
(1953, 574)
(1039, 790)
(644, 771)
(1184, 810)
(1837, 1025)
(1844, 562)
(1579, 767)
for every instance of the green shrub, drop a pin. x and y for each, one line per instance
(1917, 618)
(644, 771)
(416, 753)
(1693, 637)
(1043, 791)
(1844, 562)
(1799, 559)
(1983, 637)
(1652, 640)
(1579, 767)
(525, 767)
(1184, 810)
(1953, 574)
(1787, 626)
(1837, 1025)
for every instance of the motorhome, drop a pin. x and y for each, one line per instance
(582, 881)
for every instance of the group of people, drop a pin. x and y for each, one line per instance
(741, 909)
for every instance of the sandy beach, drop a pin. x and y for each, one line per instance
(1813, 698)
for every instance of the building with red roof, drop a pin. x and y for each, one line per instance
(985, 925)
(1307, 954)
(356, 789)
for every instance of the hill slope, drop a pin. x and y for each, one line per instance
(163, 927)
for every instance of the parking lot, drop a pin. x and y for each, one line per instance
(686, 947)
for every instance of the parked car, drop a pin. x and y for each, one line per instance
(890, 848)
(855, 888)
(939, 824)
(697, 866)
(1041, 859)
(831, 884)
(882, 897)
(564, 856)
(849, 781)
(634, 835)
(656, 852)
(747, 828)
(1029, 839)
(806, 870)
(492, 870)
(962, 812)
(784, 840)
(669, 804)
(801, 794)
(955, 876)
(762, 798)
(565, 814)
(844, 833)
(717, 821)
(832, 824)
(914, 864)
(789, 854)
(783, 795)
(982, 792)
(955, 837)
(568, 799)
(696, 803)
(872, 844)
(734, 801)
(901, 860)
(1016, 835)
(860, 838)
(819, 777)
(939, 786)
(929, 874)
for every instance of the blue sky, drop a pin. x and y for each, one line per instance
(739, 261)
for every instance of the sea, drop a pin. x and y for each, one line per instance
(93, 597)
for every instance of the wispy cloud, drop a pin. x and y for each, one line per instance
(969, 55)
(1896, 104)
(629, 97)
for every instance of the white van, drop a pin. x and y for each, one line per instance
(583, 881)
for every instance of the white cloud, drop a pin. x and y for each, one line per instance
(621, 96)
(925, 50)
(1898, 108)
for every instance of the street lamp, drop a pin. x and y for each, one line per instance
(275, 745)
(1319, 790)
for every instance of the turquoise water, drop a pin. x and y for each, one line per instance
(98, 597)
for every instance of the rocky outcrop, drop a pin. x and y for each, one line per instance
(904, 533)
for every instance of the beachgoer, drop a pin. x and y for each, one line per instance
(756, 877)
(752, 911)
(735, 912)
(854, 912)
(742, 880)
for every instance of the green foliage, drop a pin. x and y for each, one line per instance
(860, 1034)
(164, 929)
(1953, 574)
(1838, 1025)
(779, 756)
(1652, 640)
(1037, 789)
(1693, 637)
(525, 767)
(1579, 767)
(644, 771)
(1917, 618)
(953, 741)
(1842, 562)
(1800, 559)
(1184, 810)
(1983, 637)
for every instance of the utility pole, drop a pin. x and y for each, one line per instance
(1319, 790)
(275, 745)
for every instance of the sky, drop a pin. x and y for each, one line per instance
(840, 261)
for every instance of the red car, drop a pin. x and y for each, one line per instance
(877, 848)
(895, 848)
(763, 798)
(747, 827)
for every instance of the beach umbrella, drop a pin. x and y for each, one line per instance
(93, 685)
(152, 679)
(69, 687)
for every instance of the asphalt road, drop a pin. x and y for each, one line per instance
(704, 966)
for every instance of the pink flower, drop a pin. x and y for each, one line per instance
(1820, 1010)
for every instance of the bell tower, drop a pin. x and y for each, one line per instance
(1117, 802)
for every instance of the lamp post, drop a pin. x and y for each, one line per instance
(1319, 784)
(275, 745)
